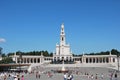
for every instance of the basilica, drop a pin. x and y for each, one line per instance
(63, 49)
(63, 53)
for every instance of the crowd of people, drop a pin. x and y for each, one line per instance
(40, 71)
(11, 76)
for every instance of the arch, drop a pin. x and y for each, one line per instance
(27, 60)
(66, 58)
(100, 59)
(34, 60)
(103, 59)
(31, 60)
(107, 60)
(113, 59)
(86, 60)
(80, 60)
(90, 60)
(54, 58)
(97, 60)
(38, 60)
(62, 58)
(24, 60)
(93, 60)
(70, 59)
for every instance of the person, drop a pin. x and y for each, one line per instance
(96, 77)
(5, 76)
(65, 76)
(36, 74)
(69, 77)
(72, 78)
(102, 76)
(18, 77)
(92, 77)
(115, 76)
(111, 75)
(15, 78)
(39, 74)
(22, 78)
(9, 77)
(0, 77)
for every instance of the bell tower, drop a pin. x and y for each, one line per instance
(62, 36)
(62, 49)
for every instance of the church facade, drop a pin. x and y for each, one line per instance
(63, 51)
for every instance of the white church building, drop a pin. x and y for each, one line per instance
(63, 52)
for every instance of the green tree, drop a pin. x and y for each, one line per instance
(115, 52)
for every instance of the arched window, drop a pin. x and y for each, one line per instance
(62, 39)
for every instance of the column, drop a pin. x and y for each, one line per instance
(84, 59)
(102, 59)
(25, 60)
(109, 59)
(92, 60)
(16, 59)
(29, 60)
(88, 60)
(95, 59)
(40, 60)
(105, 60)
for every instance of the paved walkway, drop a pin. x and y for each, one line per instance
(83, 74)
(60, 77)
(78, 73)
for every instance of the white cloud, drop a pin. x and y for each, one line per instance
(2, 40)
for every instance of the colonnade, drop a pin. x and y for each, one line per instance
(57, 58)
(30, 59)
(98, 59)
(82, 59)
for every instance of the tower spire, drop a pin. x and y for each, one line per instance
(62, 35)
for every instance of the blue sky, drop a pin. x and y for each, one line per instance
(90, 25)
